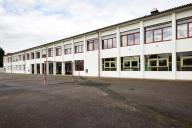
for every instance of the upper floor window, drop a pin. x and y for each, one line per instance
(37, 55)
(92, 44)
(184, 28)
(32, 55)
(23, 56)
(158, 33)
(109, 42)
(50, 52)
(67, 49)
(130, 38)
(28, 56)
(78, 47)
(44, 53)
(19, 57)
(58, 51)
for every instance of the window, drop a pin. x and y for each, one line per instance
(109, 64)
(23, 56)
(37, 55)
(158, 33)
(28, 56)
(109, 42)
(130, 38)
(184, 28)
(92, 44)
(44, 52)
(19, 57)
(130, 63)
(184, 61)
(78, 47)
(32, 55)
(79, 65)
(158, 62)
(50, 52)
(58, 51)
(67, 49)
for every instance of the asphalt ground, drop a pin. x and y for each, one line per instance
(25, 102)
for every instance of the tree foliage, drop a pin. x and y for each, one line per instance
(2, 53)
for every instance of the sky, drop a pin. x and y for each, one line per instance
(29, 23)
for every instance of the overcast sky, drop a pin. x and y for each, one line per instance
(28, 23)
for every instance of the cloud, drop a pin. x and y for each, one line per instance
(28, 23)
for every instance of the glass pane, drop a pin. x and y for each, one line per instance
(137, 38)
(149, 36)
(190, 29)
(153, 63)
(167, 33)
(114, 43)
(96, 44)
(163, 62)
(113, 64)
(130, 39)
(134, 63)
(127, 63)
(106, 64)
(123, 40)
(90, 46)
(110, 43)
(182, 31)
(187, 62)
(158, 35)
(104, 44)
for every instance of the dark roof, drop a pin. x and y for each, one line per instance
(175, 9)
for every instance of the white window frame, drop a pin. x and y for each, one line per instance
(185, 57)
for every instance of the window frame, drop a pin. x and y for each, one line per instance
(81, 63)
(187, 23)
(104, 62)
(113, 42)
(57, 52)
(127, 43)
(158, 28)
(78, 47)
(94, 42)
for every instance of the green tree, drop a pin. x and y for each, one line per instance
(2, 53)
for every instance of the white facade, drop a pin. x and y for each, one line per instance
(93, 60)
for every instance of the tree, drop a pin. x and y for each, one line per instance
(2, 53)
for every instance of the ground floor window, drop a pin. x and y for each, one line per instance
(109, 64)
(79, 65)
(32, 68)
(184, 61)
(38, 68)
(158, 62)
(51, 68)
(58, 68)
(130, 63)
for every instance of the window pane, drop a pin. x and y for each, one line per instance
(106, 64)
(134, 63)
(190, 29)
(137, 38)
(114, 43)
(104, 44)
(149, 36)
(127, 63)
(153, 63)
(130, 39)
(123, 40)
(90, 46)
(163, 62)
(110, 43)
(113, 64)
(167, 33)
(158, 35)
(187, 62)
(182, 31)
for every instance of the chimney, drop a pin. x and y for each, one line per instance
(154, 11)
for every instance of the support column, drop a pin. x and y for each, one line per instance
(54, 68)
(118, 52)
(142, 59)
(35, 68)
(63, 68)
(99, 54)
(73, 64)
(47, 68)
(174, 66)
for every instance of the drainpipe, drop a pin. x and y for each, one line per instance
(99, 69)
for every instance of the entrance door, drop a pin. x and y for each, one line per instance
(68, 68)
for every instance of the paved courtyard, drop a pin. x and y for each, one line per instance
(93, 103)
